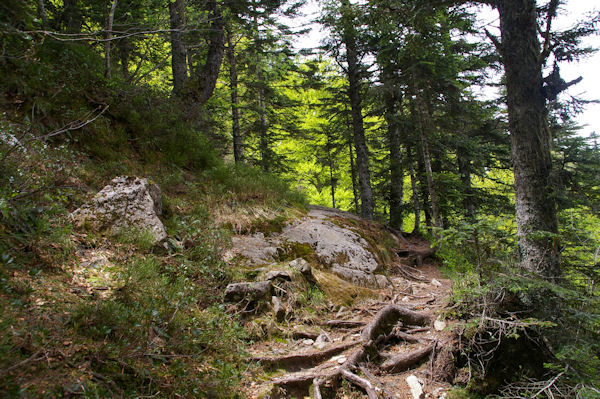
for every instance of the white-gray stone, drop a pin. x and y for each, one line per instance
(416, 389)
(343, 250)
(439, 325)
(126, 202)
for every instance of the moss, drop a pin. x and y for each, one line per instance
(340, 291)
(295, 250)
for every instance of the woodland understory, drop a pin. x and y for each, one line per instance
(481, 213)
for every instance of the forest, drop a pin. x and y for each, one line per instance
(381, 130)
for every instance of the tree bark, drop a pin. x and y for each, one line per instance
(393, 105)
(362, 155)
(178, 50)
(530, 138)
(238, 149)
(393, 102)
(209, 73)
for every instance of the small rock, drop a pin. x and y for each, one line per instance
(322, 341)
(415, 387)
(436, 283)
(278, 309)
(278, 275)
(340, 359)
(308, 342)
(248, 290)
(439, 325)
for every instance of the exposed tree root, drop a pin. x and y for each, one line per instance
(344, 323)
(361, 382)
(388, 317)
(300, 361)
(405, 361)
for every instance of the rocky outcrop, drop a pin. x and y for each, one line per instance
(329, 235)
(126, 202)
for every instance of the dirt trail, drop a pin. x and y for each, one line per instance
(332, 347)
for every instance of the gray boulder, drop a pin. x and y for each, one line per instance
(344, 251)
(126, 202)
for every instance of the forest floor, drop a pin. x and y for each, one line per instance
(321, 346)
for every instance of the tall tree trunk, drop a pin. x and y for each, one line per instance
(423, 189)
(362, 155)
(423, 119)
(209, 73)
(415, 192)
(109, 28)
(393, 103)
(353, 176)
(535, 206)
(263, 128)
(178, 50)
(238, 150)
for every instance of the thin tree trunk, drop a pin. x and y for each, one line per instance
(209, 73)
(464, 169)
(42, 13)
(109, 28)
(238, 150)
(263, 127)
(178, 50)
(262, 124)
(353, 175)
(535, 206)
(415, 192)
(331, 178)
(423, 189)
(362, 155)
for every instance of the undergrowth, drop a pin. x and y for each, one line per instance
(95, 316)
(522, 334)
